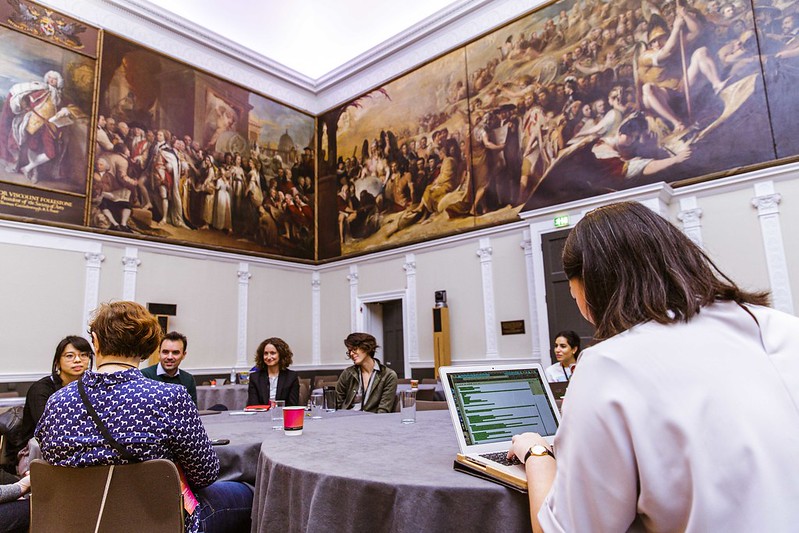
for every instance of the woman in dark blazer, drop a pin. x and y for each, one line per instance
(273, 380)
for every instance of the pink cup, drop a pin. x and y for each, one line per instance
(293, 418)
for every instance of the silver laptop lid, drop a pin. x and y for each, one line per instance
(491, 403)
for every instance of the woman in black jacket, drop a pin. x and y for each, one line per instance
(273, 380)
(73, 356)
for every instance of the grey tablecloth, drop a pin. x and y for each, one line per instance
(246, 432)
(232, 396)
(372, 473)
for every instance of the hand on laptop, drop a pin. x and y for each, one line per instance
(520, 444)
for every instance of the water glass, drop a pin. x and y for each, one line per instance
(330, 400)
(277, 413)
(408, 406)
(317, 404)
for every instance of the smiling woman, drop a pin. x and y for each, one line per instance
(273, 380)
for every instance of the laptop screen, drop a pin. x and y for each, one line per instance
(494, 405)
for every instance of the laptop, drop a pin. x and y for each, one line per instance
(491, 403)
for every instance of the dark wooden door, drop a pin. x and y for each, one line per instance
(561, 307)
(393, 346)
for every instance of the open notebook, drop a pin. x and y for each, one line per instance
(491, 403)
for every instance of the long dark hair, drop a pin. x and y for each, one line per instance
(635, 267)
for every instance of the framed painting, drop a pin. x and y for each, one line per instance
(184, 156)
(47, 80)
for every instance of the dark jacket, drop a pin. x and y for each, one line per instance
(288, 387)
(35, 400)
(181, 378)
(384, 389)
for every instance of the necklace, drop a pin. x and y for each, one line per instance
(117, 363)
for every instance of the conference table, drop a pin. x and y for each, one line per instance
(352, 471)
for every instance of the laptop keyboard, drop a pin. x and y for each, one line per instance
(501, 458)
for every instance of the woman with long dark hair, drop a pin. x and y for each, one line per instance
(684, 417)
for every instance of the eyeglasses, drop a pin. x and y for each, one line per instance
(72, 356)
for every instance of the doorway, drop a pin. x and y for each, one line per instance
(384, 320)
(562, 310)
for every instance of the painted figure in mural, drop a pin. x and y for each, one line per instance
(33, 124)
(661, 72)
(164, 168)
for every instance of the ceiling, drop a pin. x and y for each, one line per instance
(311, 37)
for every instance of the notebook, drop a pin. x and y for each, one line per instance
(491, 403)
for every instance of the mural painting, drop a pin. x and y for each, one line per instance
(401, 161)
(46, 91)
(577, 99)
(186, 156)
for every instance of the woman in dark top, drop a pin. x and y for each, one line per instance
(73, 356)
(273, 380)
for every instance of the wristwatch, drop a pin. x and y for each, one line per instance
(539, 451)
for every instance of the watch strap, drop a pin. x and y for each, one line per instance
(530, 453)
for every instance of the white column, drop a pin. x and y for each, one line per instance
(412, 331)
(767, 203)
(529, 269)
(91, 295)
(690, 215)
(130, 269)
(244, 276)
(486, 268)
(316, 318)
(353, 279)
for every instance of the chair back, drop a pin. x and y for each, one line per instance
(320, 381)
(140, 497)
(423, 405)
(305, 391)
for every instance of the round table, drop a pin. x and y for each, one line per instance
(372, 473)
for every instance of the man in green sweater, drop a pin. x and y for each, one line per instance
(172, 352)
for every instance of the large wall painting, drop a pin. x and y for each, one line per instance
(185, 156)
(46, 90)
(397, 160)
(577, 99)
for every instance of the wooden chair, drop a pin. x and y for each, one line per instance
(427, 395)
(140, 497)
(423, 405)
(319, 381)
(305, 391)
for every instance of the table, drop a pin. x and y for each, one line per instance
(372, 473)
(239, 460)
(233, 396)
(12, 401)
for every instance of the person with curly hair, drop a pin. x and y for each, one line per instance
(273, 380)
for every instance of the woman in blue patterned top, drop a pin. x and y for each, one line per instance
(152, 420)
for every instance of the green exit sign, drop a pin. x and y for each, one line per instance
(561, 221)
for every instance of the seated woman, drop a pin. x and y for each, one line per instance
(366, 385)
(147, 418)
(73, 356)
(273, 380)
(14, 512)
(567, 344)
(684, 417)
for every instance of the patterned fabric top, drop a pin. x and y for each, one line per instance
(153, 420)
